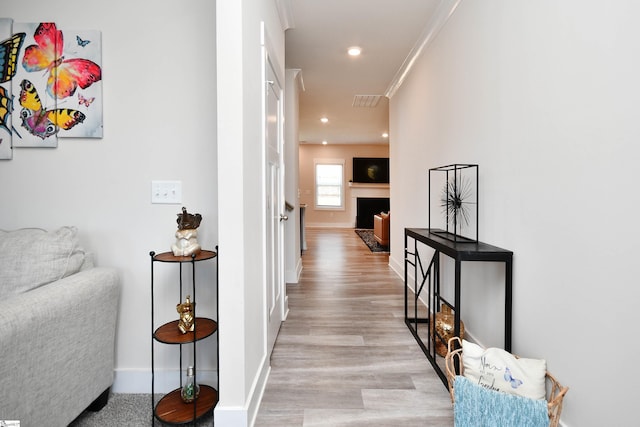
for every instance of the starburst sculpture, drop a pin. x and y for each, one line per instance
(455, 201)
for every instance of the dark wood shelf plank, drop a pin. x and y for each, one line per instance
(170, 257)
(171, 409)
(169, 333)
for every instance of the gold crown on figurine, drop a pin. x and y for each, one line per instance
(187, 221)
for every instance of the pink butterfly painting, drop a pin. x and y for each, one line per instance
(86, 101)
(64, 75)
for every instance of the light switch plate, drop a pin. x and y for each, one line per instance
(167, 192)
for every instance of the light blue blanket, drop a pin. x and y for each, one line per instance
(476, 406)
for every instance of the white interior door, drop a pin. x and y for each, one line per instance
(275, 214)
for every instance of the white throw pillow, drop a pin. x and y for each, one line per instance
(499, 370)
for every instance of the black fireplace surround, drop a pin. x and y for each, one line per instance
(367, 207)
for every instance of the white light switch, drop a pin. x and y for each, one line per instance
(169, 192)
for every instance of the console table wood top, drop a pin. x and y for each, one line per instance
(460, 250)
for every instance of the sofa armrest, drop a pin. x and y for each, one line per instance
(381, 225)
(58, 347)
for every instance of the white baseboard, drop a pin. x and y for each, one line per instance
(257, 391)
(293, 276)
(235, 416)
(286, 308)
(397, 266)
(244, 416)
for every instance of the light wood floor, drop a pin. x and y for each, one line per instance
(344, 356)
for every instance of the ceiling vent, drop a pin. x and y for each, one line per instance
(366, 101)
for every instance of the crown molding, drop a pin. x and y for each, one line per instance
(285, 12)
(437, 22)
(297, 75)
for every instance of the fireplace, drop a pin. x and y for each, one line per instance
(367, 207)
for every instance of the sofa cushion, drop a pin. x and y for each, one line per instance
(32, 257)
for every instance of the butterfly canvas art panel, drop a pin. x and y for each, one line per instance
(63, 66)
(66, 73)
(7, 71)
(38, 80)
(86, 44)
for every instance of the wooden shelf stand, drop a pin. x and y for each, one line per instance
(170, 408)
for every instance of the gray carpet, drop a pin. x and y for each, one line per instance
(126, 410)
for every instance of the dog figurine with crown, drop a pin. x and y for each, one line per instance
(187, 235)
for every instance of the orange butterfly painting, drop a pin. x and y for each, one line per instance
(65, 75)
(41, 122)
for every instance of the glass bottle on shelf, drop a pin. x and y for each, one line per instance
(190, 390)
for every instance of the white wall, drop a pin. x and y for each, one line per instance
(293, 260)
(159, 123)
(241, 202)
(543, 96)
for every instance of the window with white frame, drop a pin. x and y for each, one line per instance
(329, 175)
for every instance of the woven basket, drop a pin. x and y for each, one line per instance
(555, 391)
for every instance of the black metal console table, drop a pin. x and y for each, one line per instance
(428, 280)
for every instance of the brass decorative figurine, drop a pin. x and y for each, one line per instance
(445, 328)
(187, 321)
(187, 236)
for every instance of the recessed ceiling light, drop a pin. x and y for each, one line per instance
(324, 142)
(324, 120)
(385, 135)
(354, 51)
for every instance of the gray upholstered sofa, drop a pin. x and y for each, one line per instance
(57, 327)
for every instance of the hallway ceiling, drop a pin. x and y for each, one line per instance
(317, 42)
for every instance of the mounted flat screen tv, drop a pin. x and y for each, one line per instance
(371, 170)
